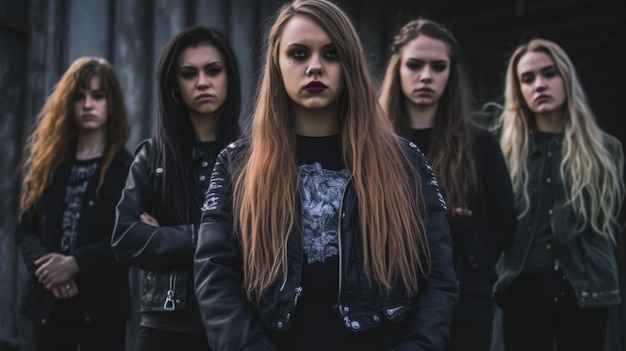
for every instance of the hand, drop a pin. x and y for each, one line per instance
(55, 269)
(66, 290)
(460, 211)
(149, 220)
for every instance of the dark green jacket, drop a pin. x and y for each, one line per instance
(587, 259)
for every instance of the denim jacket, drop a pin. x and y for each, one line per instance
(586, 258)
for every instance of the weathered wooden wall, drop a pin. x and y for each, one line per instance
(39, 38)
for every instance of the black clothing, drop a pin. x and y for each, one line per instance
(91, 337)
(479, 239)
(152, 339)
(164, 253)
(539, 308)
(235, 324)
(102, 281)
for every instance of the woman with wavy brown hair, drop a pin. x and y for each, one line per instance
(323, 230)
(74, 171)
(423, 95)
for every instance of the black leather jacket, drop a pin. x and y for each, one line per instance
(234, 324)
(164, 253)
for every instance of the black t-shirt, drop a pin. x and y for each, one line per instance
(422, 138)
(316, 325)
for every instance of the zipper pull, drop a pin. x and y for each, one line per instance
(169, 301)
(298, 293)
(556, 265)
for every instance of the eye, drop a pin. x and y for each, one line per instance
(213, 71)
(79, 96)
(414, 65)
(98, 96)
(331, 55)
(187, 74)
(440, 66)
(550, 73)
(298, 54)
(527, 78)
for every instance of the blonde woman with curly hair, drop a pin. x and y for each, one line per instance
(557, 280)
(77, 294)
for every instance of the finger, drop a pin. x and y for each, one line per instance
(57, 293)
(43, 259)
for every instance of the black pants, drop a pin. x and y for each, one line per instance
(67, 337)
(470, 335)
(541, 310)
(151, 339)
(65, 331)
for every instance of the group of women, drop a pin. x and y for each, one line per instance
(345, 217)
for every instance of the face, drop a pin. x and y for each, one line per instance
(424, 70)
(309, 65)
(540, 83)
(90, 107)
(202, 81)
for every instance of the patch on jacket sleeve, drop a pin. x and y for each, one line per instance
(431, 175)
(210, 198)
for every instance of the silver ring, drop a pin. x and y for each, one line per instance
(67, 287)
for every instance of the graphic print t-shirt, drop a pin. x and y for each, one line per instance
(81, 173)
(316, 325)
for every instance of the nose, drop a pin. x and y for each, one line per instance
(426, 75)
(315, 66)
(540, 83)
(203, 81)
(88, 103)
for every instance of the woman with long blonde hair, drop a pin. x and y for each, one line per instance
(323, 230)
(557, 280)
(74, 171)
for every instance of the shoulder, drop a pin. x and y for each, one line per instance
(483, 137)
(123, 157)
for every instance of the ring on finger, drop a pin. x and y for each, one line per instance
(68, 287)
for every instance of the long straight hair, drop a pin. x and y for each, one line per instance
(54, 139)
(175, 135)
(450, 152)
(267, 183)
(591, 171)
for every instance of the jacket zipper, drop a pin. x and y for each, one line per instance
(339, 246)
(169, 304)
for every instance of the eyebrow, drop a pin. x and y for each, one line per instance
(542, 69)
(189, 65)
(331, 44)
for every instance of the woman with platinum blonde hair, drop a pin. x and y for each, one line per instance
(557, 280)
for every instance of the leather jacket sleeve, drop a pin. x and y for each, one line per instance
(142, 245)
(226, 313)
(437, 295)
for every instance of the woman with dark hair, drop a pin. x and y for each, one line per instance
(199, 96)
(555, 284)
(422, 93)
(324, 230)
(75, 168)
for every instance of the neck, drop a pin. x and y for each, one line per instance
(90, 144)
(205, 126)
(318, 122)
(421, 117)
(550, 122)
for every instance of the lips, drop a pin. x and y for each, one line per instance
(204, 97)
(315, 87)
(424, 91)
(542, 98)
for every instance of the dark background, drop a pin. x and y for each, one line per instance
(40, 38)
